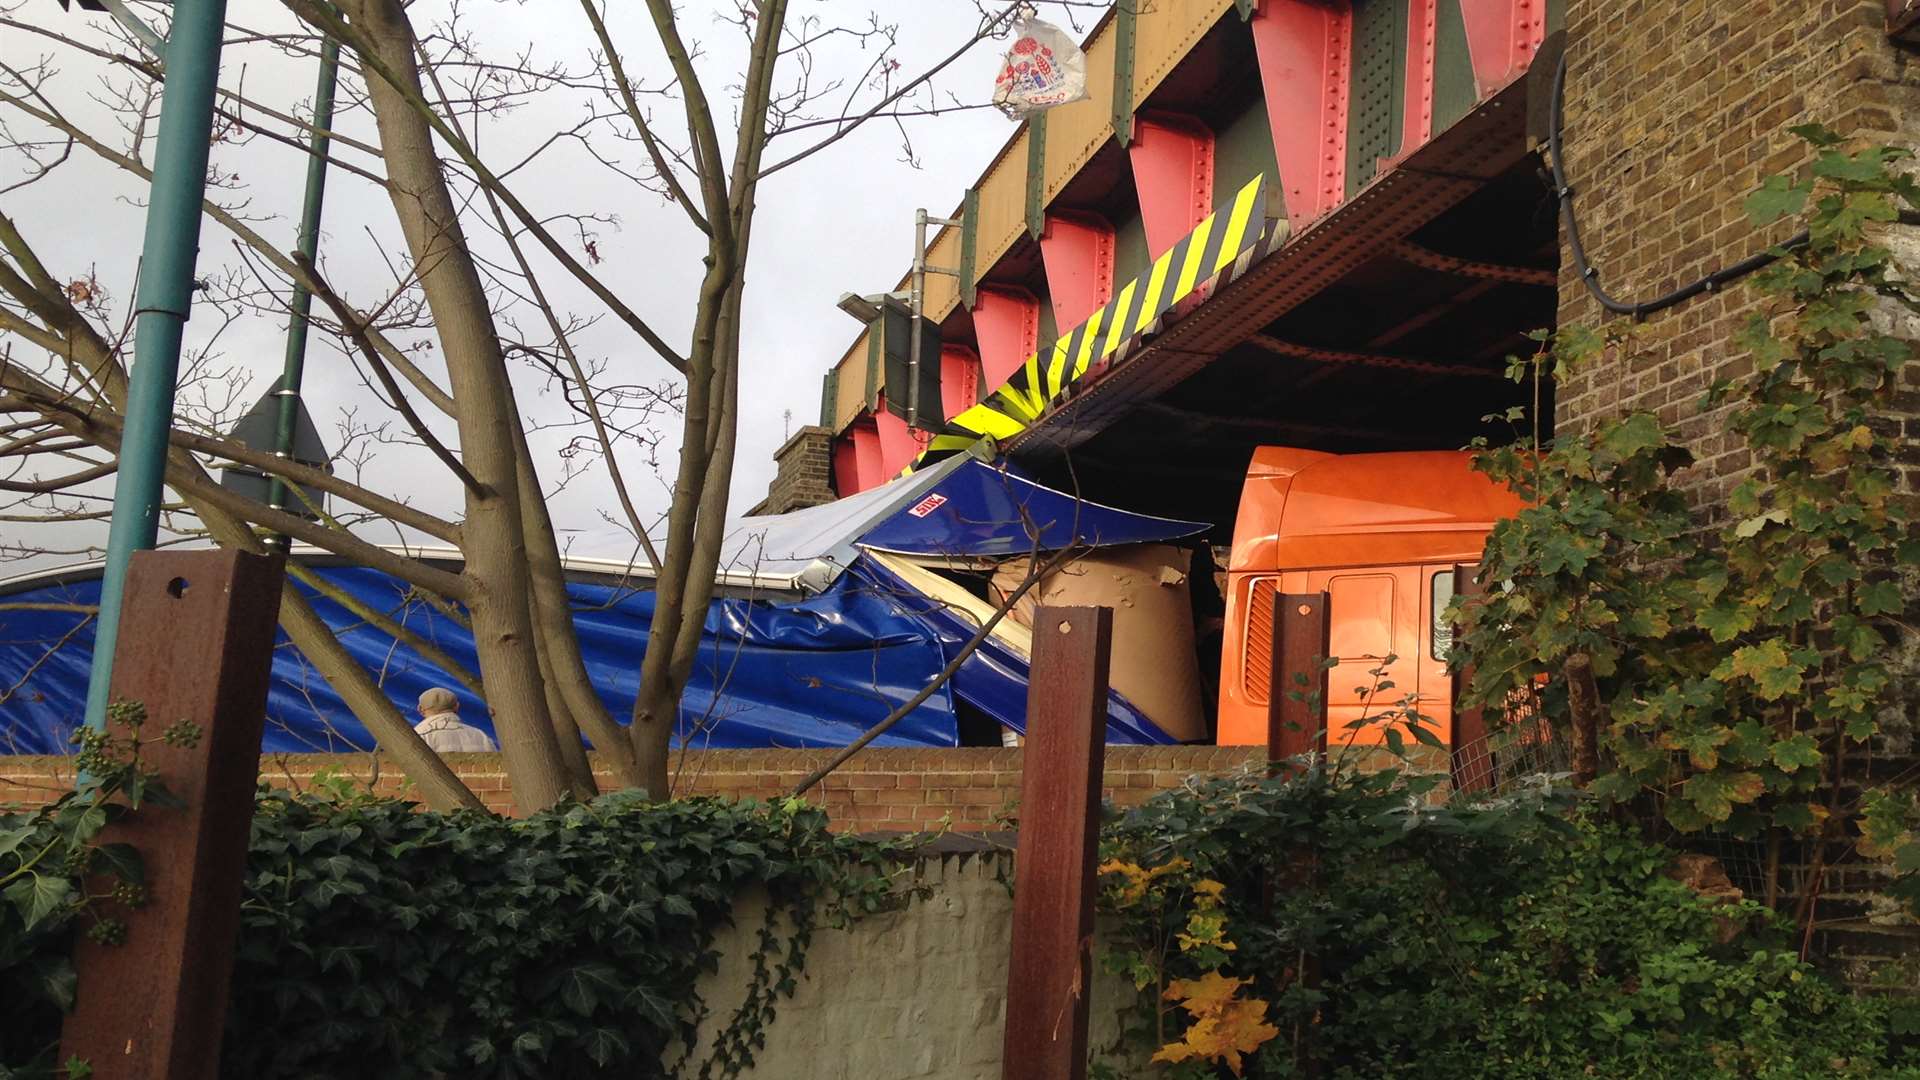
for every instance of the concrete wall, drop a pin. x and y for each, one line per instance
(919, 993)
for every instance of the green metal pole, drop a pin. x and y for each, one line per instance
(160, 315)
(309, 244)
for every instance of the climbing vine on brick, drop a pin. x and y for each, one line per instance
(1743, 668)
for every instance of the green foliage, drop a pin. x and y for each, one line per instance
(57, 878)
(378, 941)
(1497, 941)
(1739, 667)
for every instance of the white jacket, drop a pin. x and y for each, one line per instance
(445, 734)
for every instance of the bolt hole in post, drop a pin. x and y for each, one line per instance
(178, 587)
(1066, 628)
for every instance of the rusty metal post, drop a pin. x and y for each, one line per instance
(1051, 966)
(1300, 647)
(1471, 756)
(196, 643)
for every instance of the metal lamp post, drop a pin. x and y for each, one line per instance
(192, 67)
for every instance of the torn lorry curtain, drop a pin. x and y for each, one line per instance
(827, 619)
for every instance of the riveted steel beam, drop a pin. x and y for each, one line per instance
(1126, 20)
(1427, 259)
(1036, 174)
(1364, 359)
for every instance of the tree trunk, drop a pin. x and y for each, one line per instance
(696, 527)
(656, 707)
(1583, 702)
(437, 784)
(565, 732)
(552, 613)
(494, 545)
(696, 521)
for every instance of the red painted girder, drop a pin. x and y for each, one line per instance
(1077, 249)
(899, 444)
(1304, 49)
(868, 469)
(846, 467)
(1172, 156)
(1423, 18)
(1006, 323)
(1502, 36)
(959, 380)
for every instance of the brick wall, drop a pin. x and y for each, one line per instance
(804, 473)
(1675, 112)
(880, 788)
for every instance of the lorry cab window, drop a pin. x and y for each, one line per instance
(1441, 645)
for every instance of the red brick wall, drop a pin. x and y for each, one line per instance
(880, 788)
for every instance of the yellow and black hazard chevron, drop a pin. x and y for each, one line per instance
(1231, 231)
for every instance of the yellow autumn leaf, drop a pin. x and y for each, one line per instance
(1208, 993)
(1238, 1028)
(1139, 880)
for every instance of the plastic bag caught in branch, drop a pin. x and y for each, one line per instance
(1044, 68)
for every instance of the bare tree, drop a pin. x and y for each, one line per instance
(472, 249)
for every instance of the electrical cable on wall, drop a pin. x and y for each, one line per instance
(1590, 274)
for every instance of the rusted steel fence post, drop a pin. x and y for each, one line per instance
(1297, 724)
(1300, 645)
(1472, 757)
(196, 643)
(1051, 965)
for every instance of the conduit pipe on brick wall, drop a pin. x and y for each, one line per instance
(1590, 274)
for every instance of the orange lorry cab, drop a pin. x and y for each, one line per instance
(1380, 534)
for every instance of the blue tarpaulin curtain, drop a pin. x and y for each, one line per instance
(783, 671)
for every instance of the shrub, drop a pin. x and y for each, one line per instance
(1343, 924)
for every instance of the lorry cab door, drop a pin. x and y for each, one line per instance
(1373, 614)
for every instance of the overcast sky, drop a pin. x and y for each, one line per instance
(842, 220)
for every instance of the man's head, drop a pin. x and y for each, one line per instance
(438, 700)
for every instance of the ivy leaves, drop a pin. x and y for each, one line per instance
(561, 945)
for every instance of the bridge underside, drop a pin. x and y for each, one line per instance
(1386, 325)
